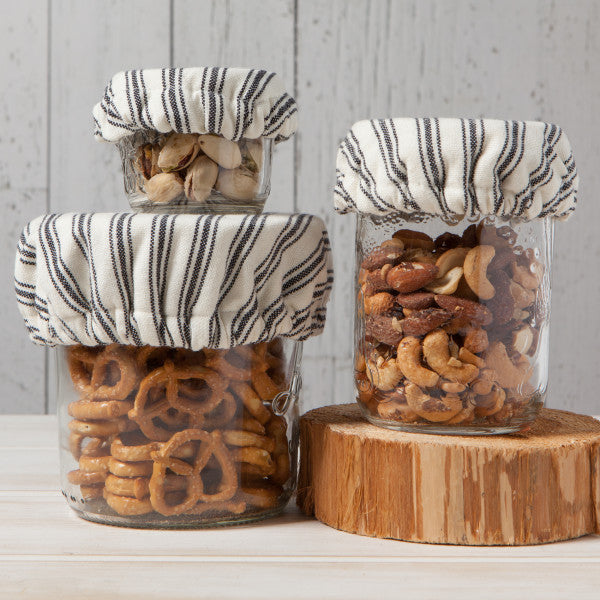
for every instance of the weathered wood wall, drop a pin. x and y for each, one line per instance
(344, 60)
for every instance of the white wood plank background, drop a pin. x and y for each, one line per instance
(345, 60)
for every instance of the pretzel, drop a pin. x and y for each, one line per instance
(277, 430)
(235, 437)
(168, 378)
(227, 506)
(223, 414)
(95, 446)
(135, 447)
(127, 506)
(264, 385)
(254, 456)
(101, 429)
(89, 492)
(80, 477)
(81, 360)
(210, 445)
(138, 487)
(237, 363)
(251, 401)
(149, 358)
(104, 384)
(94, 464)
(263, 496)
(249, 423)
(129, 469)
(103, 409)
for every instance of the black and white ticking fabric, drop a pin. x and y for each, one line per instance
(234, 103)
(173, 280)
(456, 167)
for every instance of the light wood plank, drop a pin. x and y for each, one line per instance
(29, 469)
(29, 579)
(28, 431)
(47, 527)
(243, 33)
(23, 186)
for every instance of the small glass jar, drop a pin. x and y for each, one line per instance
(186, 172)
(451, 329)
(164, 437)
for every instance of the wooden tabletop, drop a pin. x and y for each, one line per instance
(47, 552)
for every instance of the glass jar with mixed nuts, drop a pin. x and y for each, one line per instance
(452, 323)
(188, 172)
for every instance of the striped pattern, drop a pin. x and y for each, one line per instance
(456, 167)
(173, 280)
(234, 103)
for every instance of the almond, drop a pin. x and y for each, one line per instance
(422, 322)
(410, 276)
(416, 300)
(382, 256)
(474, 312)
(381, 329)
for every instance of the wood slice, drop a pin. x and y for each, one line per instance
(529, 488)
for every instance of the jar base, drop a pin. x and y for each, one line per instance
(175, 522)
(517, 426)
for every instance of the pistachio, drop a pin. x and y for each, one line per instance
(223, 151)
(237, 184)
(147, 160)
(254, 154)
(163, 187)
(179, 151)
(200, 179)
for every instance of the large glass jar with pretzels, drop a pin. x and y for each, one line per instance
(166, 437)
(454, 237)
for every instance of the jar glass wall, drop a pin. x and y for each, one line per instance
(451, 327)
(185, 172)
(163, 437)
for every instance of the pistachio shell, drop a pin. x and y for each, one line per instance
(237, 184)
(163, 187)
(224, 152)
(254, 149)
(179, 151)
(147, 160)
(200, 179)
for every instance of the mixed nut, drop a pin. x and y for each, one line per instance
(450, 326)
(186, 168)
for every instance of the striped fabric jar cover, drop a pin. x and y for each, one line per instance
(173, 280)
(233, 103)
(456, 167)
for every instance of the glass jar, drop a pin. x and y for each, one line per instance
(186, 172)
(451, 328)
(163, 437)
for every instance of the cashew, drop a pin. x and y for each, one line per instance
(490, 404)
(437, 354)
(452, 387)
(528, 278)
(409, 362)
(464, 417)
(450, 260)
(395, 411)
(468, 357)
(484, 383)
(475, 270)
(522, 339)
(522, 296)
(508, 375)
(384, 374)
(436, 410)
(448, 283)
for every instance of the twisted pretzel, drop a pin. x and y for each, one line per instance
(81, 361)
(210, 445)
(115, 374)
